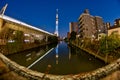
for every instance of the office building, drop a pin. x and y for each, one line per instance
(90, 26)
(73, 26)
(86, 25)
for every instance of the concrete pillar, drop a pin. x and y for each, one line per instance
(1, 24)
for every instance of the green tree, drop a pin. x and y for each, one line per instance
(73, 35)
(109, 43)
(66, 39)
(52, 39)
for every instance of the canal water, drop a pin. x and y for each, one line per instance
(63, 59)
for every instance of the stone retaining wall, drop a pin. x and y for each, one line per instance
(34, 75)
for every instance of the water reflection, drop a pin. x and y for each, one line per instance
(29, 56)
(64, 59)
(56, 56)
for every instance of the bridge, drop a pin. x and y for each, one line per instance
(9, 26)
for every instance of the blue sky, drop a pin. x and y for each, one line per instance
(42, 13)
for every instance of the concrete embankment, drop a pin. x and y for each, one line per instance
(33, 75)
(108, 60)
(7, 74)
(11, 49)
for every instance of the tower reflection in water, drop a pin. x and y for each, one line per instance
(56, 56)
(69, 52)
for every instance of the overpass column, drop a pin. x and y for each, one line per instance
(1, 24)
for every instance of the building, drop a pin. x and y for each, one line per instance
(115, 29)
(90, 26)
(117, 22)
(86, 23)
(107, 25)
(73, 26)
(100, 26)
(68, 35)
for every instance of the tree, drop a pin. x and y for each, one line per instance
(73, 35)
(109, 43)
(52, 39)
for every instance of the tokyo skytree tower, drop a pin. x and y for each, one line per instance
(56, 30)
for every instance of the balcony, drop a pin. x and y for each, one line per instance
(80, 21)
(81, 26)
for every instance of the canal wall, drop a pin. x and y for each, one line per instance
(34, 75)
(13, 49)
(108, 60)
